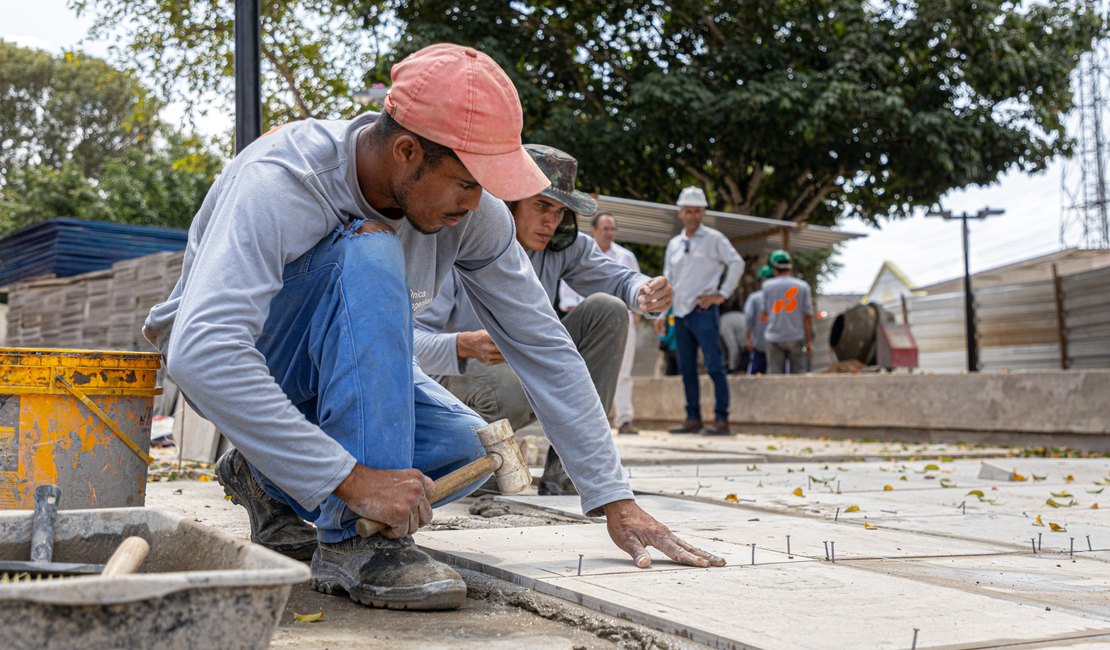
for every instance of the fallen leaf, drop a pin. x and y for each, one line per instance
(947, 483)
(931, 467)
(1069, 479)
(772, 448)
(204, 478)
(1056, 528)
(1038, 522)
(1063, 495)
(1060, 504)
(945, 459)
(1094, 506)
(976, 493)
(852, 509)
(903, 479)
(869, 526)
(1098, 491)
(308, 618)
(1039, 478)
(1017, 477)
(731, 498)
(887, 488)
(797, 492)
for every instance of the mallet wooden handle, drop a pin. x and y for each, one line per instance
(444, 487)
(129, 556)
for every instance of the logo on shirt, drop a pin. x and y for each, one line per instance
(420, 300)
(787, 303)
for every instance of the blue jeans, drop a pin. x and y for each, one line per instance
(697, 329)
(758, 364)
(339, 343)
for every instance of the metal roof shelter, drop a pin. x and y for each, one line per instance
(643, 222)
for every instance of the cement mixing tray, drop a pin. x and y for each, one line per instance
(199, 588)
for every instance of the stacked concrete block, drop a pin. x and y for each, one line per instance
(100, 310)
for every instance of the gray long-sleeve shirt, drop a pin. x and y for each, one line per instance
(694, 264)
(273, 203)
(581, 265)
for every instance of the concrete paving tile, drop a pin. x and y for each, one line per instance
(741, 526)
(1076, 585)
(757, 606)
(1010, 530)
(549, 551)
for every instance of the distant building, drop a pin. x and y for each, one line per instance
(1068, 262)
(890, 284)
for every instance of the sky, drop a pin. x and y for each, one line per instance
(927, 249)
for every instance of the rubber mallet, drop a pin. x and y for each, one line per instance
(503, 459)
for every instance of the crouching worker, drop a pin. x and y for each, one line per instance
(453, 347)
(291, 329)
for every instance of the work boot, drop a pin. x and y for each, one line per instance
(689, 426)
(555, 480)
(627, 428)
(388, 573)
(718, 428)
(273, 523)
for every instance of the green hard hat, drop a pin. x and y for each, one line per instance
(765, 272)
(780, 259)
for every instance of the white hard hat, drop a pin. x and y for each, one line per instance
(692, 197)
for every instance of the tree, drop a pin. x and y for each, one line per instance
(801, 111)
(798, 110)
(315, 53)
(68, 109)
(83, 140)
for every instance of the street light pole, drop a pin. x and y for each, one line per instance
(248, 90)
(969, 298)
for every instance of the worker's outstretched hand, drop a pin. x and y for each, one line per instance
(397, 498)
(634, 530)
(655, 296)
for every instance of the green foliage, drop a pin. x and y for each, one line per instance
(315, 53)
(798, 110)
(68, 109)
(161, 187)
(82, 140)
(794, 110)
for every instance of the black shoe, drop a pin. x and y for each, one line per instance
(718, 428)
(555, 480)
(380, 572)
(273, 524)
(627, 429)
(689, 426)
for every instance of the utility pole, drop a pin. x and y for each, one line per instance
(248, 87)
(969, 301)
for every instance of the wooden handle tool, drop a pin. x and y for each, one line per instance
(129, 556)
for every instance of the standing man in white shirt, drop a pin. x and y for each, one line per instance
(693, 263)
(605, 231)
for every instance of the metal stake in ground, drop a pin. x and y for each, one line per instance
(832, 546)
(1039, 547)
(753, 554)
(1033, 541)
(913, 646)
(1088, 543)
(788, 543)
(579, 564)
(826, 551)
(1071, 548)
(836, 517)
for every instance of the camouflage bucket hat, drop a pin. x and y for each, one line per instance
(561, 169)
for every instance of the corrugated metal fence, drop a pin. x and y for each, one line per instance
(1019, 326)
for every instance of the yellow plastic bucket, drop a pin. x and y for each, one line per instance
(79, 419)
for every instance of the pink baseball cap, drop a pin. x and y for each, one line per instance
(460, 98)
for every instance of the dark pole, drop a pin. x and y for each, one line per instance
(248, 91)
(969, 305)
(969, 296)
